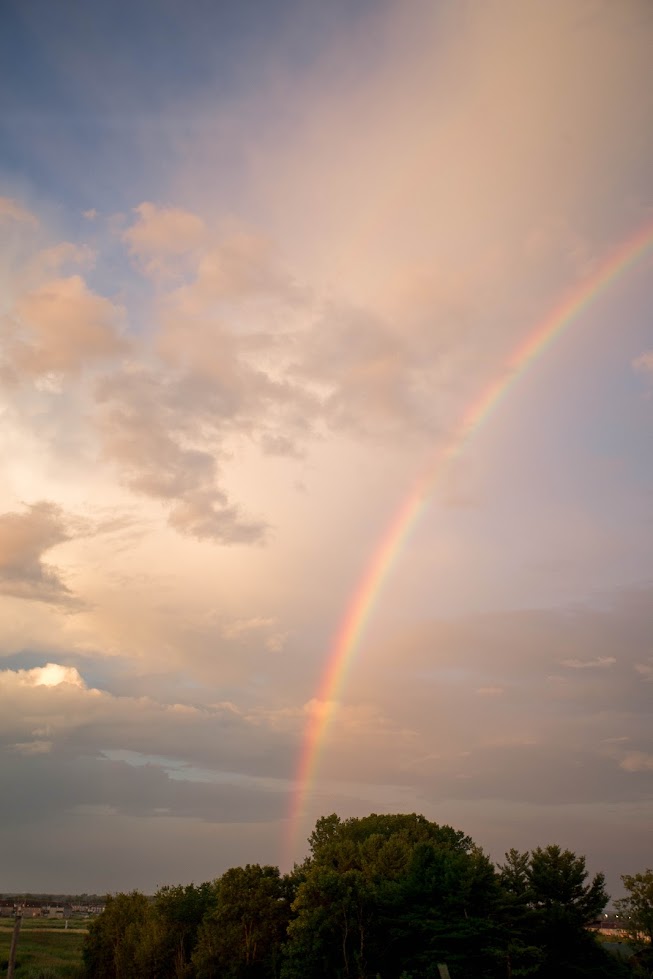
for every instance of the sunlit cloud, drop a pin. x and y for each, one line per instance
(24, 538)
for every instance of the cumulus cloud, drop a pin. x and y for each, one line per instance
(437, 248)
(214, 373)
(190, 761)
(62, 326)
(160, 236)
(204, 516)
(64, 253)
(11, 210)
(24, 539)
(148, 430)
(241, 266)
(50, 675)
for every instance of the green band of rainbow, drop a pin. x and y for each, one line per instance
(367, 591)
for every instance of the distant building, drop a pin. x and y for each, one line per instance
(609, 924)
(29, 909)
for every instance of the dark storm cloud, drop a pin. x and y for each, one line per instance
(57, 783)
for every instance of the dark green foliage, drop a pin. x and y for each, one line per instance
(171, 935)
(383, 897)
(544, 910)
(636, 911)
(241, 937)
(116, 939)
(387, 894)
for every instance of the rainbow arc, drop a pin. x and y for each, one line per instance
(363, 601)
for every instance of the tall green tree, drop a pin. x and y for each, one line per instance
(115, 940)
(170, 937)
(547, 904)
(242, 936)
(388, 894)
(636, 913)
(515, 949)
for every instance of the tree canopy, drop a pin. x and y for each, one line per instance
(379, 897)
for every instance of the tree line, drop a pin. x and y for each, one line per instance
(380, 897)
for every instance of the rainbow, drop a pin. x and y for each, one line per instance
(323, 706)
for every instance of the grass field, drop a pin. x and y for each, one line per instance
(44, 944)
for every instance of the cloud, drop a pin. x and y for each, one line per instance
(62, 326)
(637, 761)
(24, 539)
(238, 628)
(64, 253)
(161, 236)
(203, 515)
(432, 251)
(11, 210)
(601, 662)
(32, 747)
(50, 675)
(148, 430)
(644, 363)
(645, 669)
(243, 266)
(192, 761)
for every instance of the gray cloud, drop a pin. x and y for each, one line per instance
(51, 704)
(58, 784)
(543, 732)
(24, 539)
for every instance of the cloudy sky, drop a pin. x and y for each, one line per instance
(256, 260)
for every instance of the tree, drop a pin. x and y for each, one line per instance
(241, 938)
(515, 947)
(171, 934)
(556, 879)
(546, 907)
(636, 910)
(115, 938)
(387, 894)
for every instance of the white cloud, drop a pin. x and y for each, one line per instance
(51, 675)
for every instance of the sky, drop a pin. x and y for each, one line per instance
(257, 261)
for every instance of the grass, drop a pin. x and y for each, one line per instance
(44, 944)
